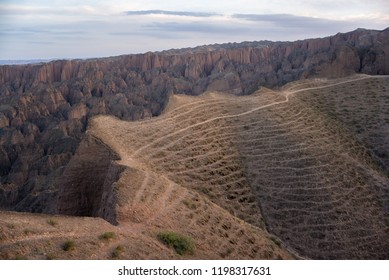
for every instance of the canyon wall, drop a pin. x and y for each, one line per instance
(86, 187)
(44, 108)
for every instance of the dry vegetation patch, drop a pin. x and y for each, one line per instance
(300, 170)
(286, 159)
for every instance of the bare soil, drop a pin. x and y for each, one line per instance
(274, 175)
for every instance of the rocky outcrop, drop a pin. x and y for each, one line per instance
(86, 185)
(44, 108)
(363, 51)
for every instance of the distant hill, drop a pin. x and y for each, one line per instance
(23, 62)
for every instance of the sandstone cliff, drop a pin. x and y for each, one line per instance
(44, 108)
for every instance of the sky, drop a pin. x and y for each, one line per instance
(54, 29)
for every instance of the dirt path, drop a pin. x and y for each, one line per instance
(296, 159)
(139, 193)
(285, 93)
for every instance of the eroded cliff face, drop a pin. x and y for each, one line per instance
(44, 108)
(86, 187)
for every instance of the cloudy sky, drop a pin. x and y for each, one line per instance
(44, 29)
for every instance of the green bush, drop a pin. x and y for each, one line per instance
(68, 245)
(51, 256)
(275, 240)
(28, 231)
(117, 252)
(20, 257)
(107, 235)
(190, 204)
(52, 222)
(182, 244)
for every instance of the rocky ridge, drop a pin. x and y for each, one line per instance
(45, 108)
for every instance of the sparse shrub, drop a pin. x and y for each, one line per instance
(227, 253)
(51, 256)
(20, 257)
(107, 235)
(52, 222)
(28, 231)
(204, 190)
(117, 252)
(275, 240)
(3, 235)
(189, 204)
(69, 245)
(181, 244)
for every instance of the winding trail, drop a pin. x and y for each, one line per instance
(290, 170)
(285, 93)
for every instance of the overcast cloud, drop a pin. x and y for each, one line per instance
(74, 29)
(171, 13)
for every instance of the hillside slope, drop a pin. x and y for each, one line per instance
(148, 205)
(45, 108)
(300, 162)
(275, 159)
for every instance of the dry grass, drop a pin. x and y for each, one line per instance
(319, 185)
(218, 168)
